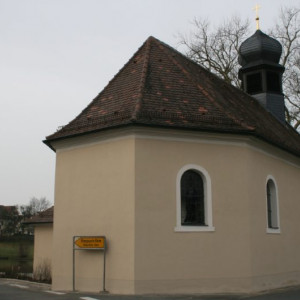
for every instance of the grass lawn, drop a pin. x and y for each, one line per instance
(16, 255)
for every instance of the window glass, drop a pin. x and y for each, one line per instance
(272, 206)
(192, 199)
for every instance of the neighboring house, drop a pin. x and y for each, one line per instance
(43, 238)
(194, 183)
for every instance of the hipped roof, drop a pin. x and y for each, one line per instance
(160, 87)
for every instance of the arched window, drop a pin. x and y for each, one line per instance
(193, 199)
(272, 206)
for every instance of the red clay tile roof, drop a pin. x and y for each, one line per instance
(161, 87)
(45, 216)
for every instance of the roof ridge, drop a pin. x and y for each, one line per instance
(201, 88)
(138, 104)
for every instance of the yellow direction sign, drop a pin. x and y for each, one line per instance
(90, 242)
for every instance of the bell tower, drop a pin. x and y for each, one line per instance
(261, 73)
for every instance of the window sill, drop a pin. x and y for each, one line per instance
(273, 230)
(194, 228)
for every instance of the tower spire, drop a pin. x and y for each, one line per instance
(261, 73)
(256, 8)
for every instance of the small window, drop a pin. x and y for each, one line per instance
(273, 82)
(254, 83)
(272, 207)
(194, 207)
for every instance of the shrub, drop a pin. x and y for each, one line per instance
(42, 272)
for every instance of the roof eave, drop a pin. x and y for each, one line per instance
(37, 222)
(235, 131)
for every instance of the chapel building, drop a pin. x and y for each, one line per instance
(194, 183)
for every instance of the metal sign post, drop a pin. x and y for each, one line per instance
(89, 243)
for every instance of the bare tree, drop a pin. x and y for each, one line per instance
(287, 31)
(216, 49)
(34, 207)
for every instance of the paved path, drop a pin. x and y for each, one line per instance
(11, 289)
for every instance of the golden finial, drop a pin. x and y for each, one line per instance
(256, 8)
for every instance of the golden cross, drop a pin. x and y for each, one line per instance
(256, 8)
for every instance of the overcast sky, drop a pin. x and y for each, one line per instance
(57, 55)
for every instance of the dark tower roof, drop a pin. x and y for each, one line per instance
(261, 73)
(160, 87)
(258, 49)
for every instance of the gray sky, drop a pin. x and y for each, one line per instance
(57, 55)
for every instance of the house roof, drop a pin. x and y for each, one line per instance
(160, 87)
(43, 217)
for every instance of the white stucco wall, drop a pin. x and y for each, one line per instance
(43, 241)
(123, 185)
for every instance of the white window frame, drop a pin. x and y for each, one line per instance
(275, 201)
(207, 200)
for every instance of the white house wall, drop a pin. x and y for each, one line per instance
(124, 187)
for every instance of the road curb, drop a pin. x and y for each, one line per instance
(40, 285)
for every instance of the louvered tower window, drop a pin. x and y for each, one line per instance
(254, 83)
(273, 82)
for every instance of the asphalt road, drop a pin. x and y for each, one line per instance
(23, 290)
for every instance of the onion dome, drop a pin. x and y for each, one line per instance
(258, 49)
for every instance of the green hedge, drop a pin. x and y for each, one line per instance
(16, 248)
